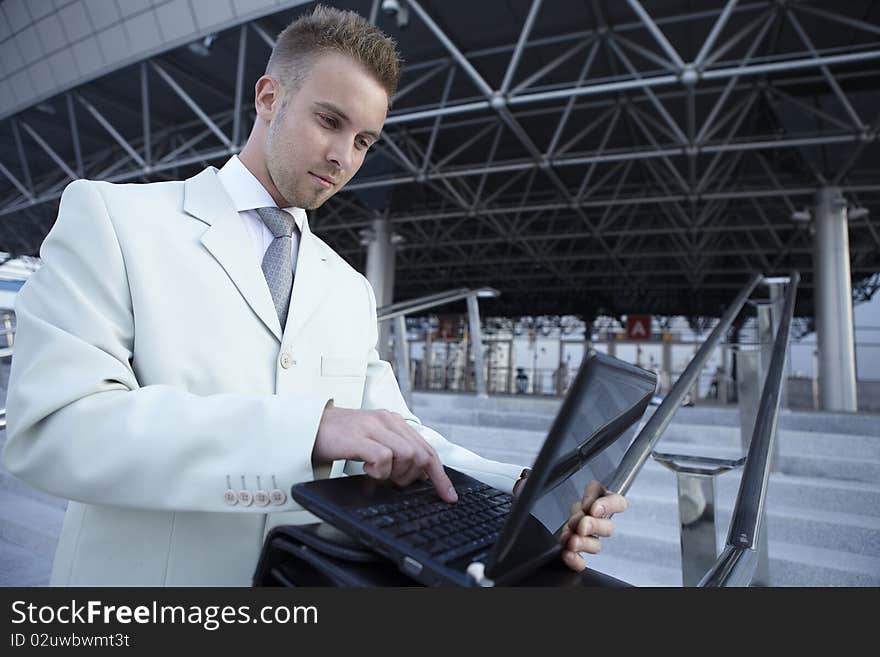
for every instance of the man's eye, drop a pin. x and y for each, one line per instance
(329, 121)
(363, 143)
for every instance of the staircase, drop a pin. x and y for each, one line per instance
(823, 506)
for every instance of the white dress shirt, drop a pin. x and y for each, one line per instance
(248, 194)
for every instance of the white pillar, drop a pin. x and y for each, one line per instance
(381, 253)
(832, 291)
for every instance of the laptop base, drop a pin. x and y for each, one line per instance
(320, 555)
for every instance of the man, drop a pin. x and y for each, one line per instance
(189, 350)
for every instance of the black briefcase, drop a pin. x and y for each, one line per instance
(321, 555)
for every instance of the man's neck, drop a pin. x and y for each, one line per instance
(254, 163)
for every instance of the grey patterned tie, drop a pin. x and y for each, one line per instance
(278, 267)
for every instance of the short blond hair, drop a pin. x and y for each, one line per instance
(332, 30)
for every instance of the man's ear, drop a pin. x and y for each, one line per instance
(267, 97)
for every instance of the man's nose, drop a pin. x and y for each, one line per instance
(340, 155)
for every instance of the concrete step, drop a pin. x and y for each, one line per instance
(815, 442)
(637, 573)
(790, 564)
(803, 442)
(523, 446)
(822, 494)
(804, 465)
(31, 525)
(848, 532)
(508, 408)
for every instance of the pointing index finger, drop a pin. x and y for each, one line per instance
(441, 481)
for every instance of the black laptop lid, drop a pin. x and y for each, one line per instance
(587, 441)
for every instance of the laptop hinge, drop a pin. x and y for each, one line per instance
(477, 572)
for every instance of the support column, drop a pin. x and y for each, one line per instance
(380, 272)
(401, 359)
(833, 301)
(476, 344)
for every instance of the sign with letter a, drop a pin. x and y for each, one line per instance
(638, 327)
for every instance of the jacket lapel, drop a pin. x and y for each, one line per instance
(310, 282)
(228, 241)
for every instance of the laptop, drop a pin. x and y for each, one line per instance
(489, 537)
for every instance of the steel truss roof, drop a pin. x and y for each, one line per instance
(580, 156)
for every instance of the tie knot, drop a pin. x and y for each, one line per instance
(279, 222)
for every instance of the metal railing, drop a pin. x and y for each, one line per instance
(7, 338)
(736, 564)
(399, 311)
(643, 445)
(403, 308)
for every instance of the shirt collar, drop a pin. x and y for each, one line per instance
(248, 193)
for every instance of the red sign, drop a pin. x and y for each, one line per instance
(447, 329)
(638, 327)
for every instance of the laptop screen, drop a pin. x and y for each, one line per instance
(606, 396)
(588, 439)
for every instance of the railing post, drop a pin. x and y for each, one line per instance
(750, 377)
(429, 357)
(768, 321)
(401, 359)
(7, 325)
(476, 344)
(666, 366)
(696, 510)
(696, 513)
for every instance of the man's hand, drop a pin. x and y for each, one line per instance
(588, 521)
(389, 447)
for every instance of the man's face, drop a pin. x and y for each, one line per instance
(318, 138)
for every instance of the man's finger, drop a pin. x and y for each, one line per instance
(441, 481)
(378, 459)
(590, 526)
(573, 560)
(610, 504)
(403, 452)
(416, 470)
(434, 467)
(565, 535)
(589, 544)
(422, 452)
(592, 492)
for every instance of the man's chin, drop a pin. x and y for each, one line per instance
(307, 201)
(317, 201)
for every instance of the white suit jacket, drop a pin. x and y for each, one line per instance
(149, 374)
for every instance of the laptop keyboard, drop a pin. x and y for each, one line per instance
(445, 531)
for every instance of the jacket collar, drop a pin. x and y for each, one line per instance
(205, 199)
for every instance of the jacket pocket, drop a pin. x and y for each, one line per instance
(343, 366)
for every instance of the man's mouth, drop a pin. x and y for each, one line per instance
(324, 181)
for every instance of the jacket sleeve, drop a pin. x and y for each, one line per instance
(382, 391)
(80, 426)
